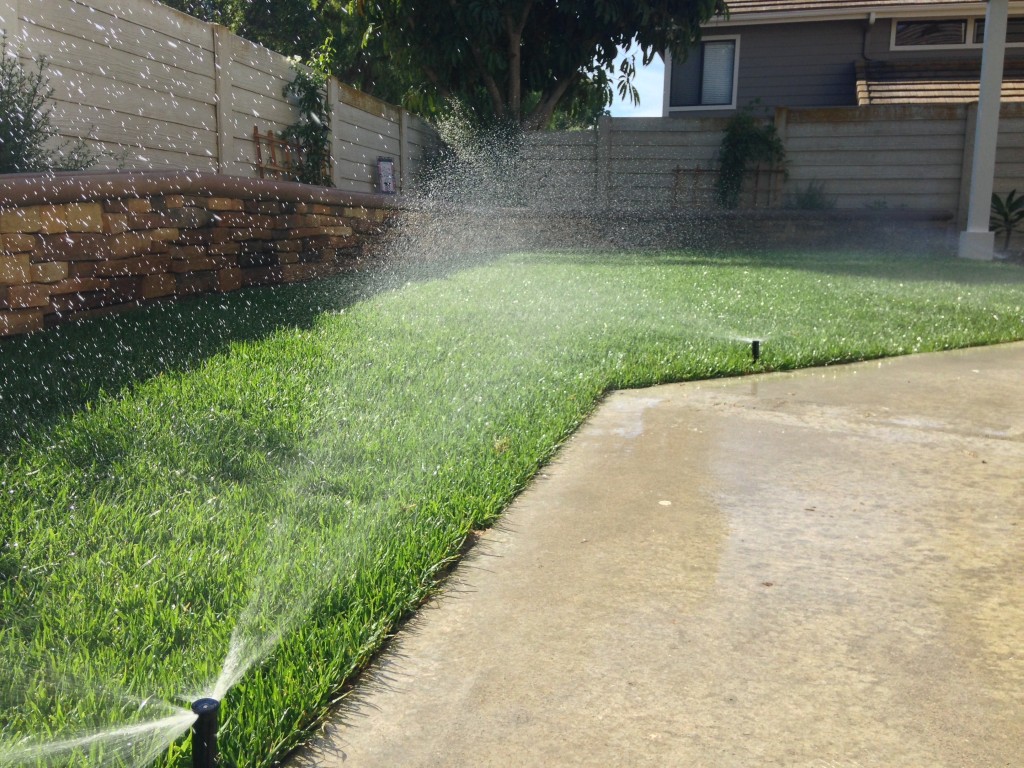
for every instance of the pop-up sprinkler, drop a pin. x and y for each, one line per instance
(204, 733)
(755, 349)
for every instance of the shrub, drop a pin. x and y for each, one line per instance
(312, 132)
(746, 141)
(1006, 215)
(26, 131)
(811, 198)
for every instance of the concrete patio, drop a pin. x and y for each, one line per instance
(823, 568)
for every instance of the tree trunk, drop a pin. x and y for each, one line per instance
(514, 32)
(541, 116)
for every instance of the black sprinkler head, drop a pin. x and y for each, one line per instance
(755, 349)
(204, 733)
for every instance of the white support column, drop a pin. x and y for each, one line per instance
(222, 54)
(977, 242)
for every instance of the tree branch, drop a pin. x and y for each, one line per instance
(541, 115)
(488, 80)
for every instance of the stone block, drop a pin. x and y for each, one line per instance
(86, 300)
(194, 237)
(15, 321)
(139, 265)
(229, 279)
(78, 285)
(261, 276)
(28, 296)
(181, 218)
(357, 213)
(90, 247)
(71, 217)
(195, 264)
(224, 249)
(191, 283)
(20, 220)
(115, 223)
(16, 269)
(338, 231)
(257, 259)
(271, 207)
(49, 271)
(164, 234)
(17, 243)
(128, 205)
(155, 286)
(238, 220)
(251, 234)
(223, 204)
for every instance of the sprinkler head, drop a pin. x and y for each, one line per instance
(204, 733)
(755, 349)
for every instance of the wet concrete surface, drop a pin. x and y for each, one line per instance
(823, 568)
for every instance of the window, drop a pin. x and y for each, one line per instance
(932, 32)
(950, 33)
(707, 78)
(1014, 31)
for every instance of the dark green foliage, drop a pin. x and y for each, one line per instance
(1006, 215)
(747, 141)
(25, 125)
(521, 59)
(312, 132)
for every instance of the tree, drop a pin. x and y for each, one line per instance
(523, 58)
(324, 31)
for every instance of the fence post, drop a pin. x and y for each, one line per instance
(778, 175)
(403, 150)
(604, 161)
(222, 54)
(334, 107)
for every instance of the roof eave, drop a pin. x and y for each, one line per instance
(869, 12)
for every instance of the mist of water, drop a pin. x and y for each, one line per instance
(128, 745)
(477, 202)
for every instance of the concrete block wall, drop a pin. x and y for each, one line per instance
(114, 249)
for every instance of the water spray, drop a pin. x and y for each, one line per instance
(204, 733)
(755, 349)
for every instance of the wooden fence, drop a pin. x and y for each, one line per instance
(158, 89)
(912, 157)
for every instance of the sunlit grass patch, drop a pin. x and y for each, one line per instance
(299, 464)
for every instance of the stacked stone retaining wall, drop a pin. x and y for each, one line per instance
(103, 243)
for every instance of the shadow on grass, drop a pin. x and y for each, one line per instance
(47, 375)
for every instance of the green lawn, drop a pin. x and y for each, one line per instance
(297, 465)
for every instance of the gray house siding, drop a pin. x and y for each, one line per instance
(878, 46)
(800, 65)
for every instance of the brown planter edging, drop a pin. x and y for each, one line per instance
(75, 245)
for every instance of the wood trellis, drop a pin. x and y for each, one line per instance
(278, 158)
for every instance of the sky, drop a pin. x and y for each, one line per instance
(650, 82)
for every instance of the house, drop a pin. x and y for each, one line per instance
(832, 53)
